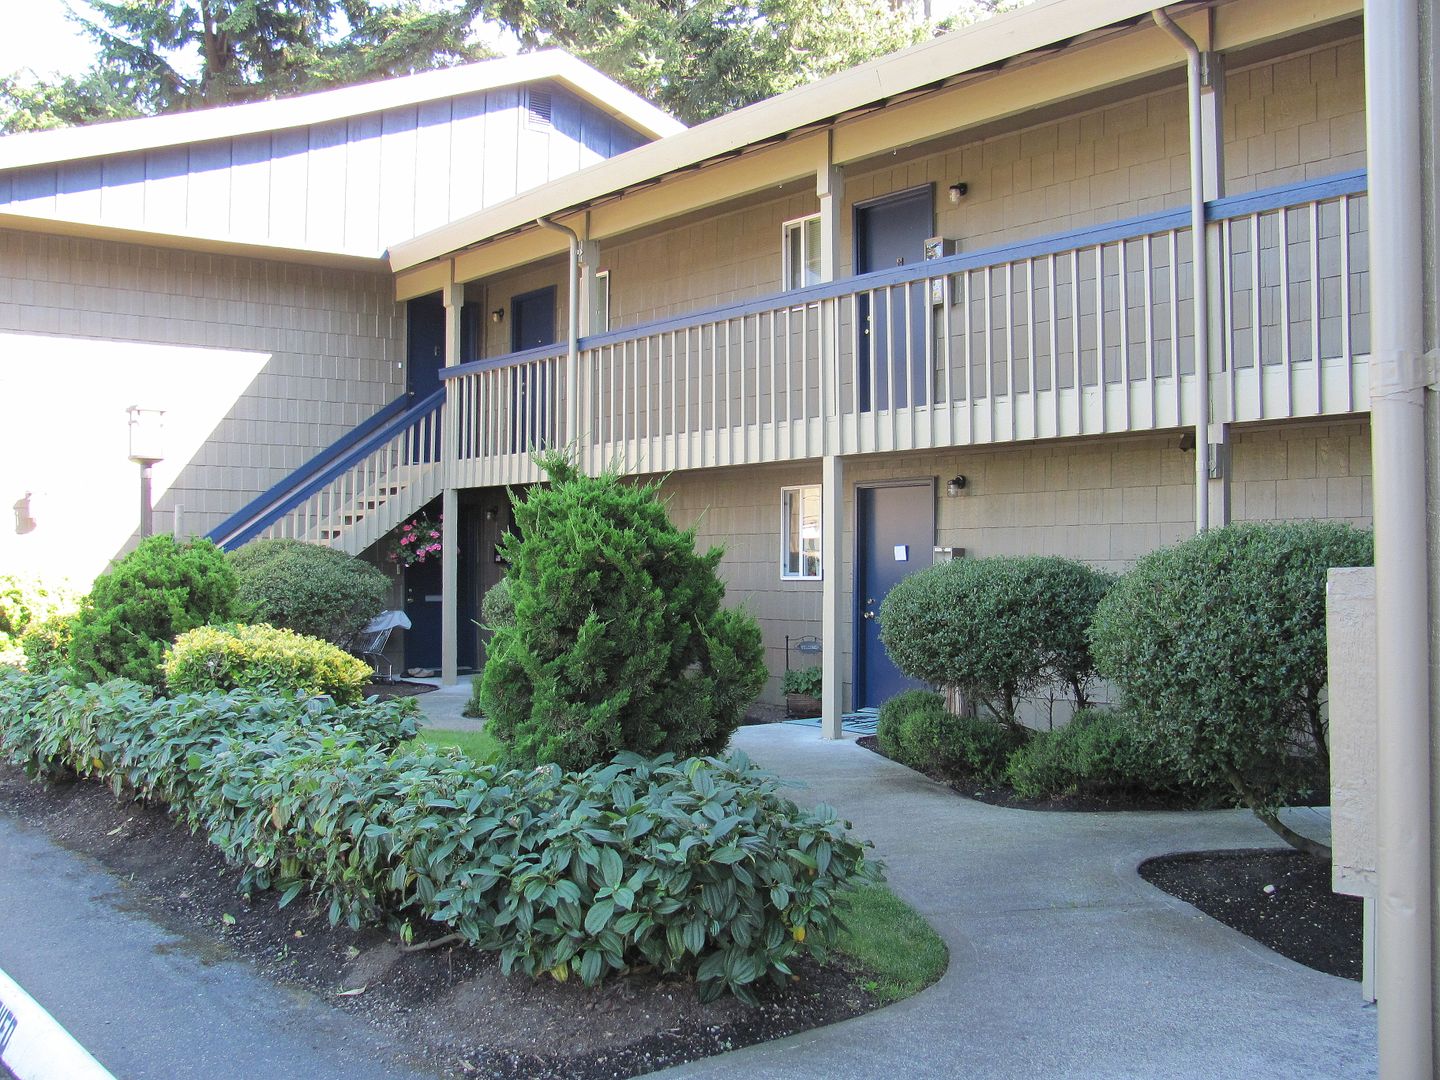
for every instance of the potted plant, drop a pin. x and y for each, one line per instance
(802, 691)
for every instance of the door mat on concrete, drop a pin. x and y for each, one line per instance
(861, 722)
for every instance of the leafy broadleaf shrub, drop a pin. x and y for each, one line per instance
(260, 657)
(996, 628)
(47, 643)
(144, 602)
(620, 641)
(497, 609)
(1219, 645)
(311, 589)
(916, 729)
(807, 681)
(1100, 751)
(26, 602)
(696, 866)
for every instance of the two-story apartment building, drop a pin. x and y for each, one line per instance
(948, 303)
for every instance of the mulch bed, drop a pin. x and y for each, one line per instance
(389, 691)
(451, 1005)
(1298, 917)
(1003, 795)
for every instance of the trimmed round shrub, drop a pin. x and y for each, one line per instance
(264, 659)
(620, 640)
(47, 643)
(1099, 751)
(1219, 645)
(917, 730)
(996, 628)
(497, 609)
(144, 602)
(311, 589)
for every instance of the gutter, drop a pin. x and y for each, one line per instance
(1199, 267)
(1405, 903)
(572, 340)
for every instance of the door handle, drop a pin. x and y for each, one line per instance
(867, 615)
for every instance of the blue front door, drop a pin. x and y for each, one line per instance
(894, 320)
(532, 325)
(894, 537)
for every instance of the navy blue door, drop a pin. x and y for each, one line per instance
(895, 536)
(422, 604)
(425, 344)
(532, 324)
(889, 233)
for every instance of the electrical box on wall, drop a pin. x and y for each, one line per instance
(949, 554)
(938, 247)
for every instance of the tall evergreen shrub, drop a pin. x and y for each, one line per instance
(144, 602)
(620, 640)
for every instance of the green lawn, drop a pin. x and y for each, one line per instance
(890, 938)
(477, 744)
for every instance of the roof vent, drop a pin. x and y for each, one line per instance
(537, 107)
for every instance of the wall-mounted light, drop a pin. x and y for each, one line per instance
(1187, 441)
(956, 486)
(958, 191)
(498, 315)
(24, 520)
(147, 434)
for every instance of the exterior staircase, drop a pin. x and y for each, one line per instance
(354, 492)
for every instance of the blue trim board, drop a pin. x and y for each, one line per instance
(294, 490)
(1329, 187)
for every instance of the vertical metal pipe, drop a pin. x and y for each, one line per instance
(572, 335)
(147, 506)
(1404, 963)
(1199, 271)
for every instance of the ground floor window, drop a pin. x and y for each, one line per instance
(800, 532)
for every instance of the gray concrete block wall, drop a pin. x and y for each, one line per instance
(1105, 501)
(333, 343)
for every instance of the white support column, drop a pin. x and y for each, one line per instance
(832, 614)
(589, 267)
(454, 297)
(830, 187)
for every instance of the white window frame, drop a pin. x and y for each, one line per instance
(786, 494)
(600, 303)
(786, 268)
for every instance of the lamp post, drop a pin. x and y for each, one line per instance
(147, 428)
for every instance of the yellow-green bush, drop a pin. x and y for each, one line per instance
(261, 657)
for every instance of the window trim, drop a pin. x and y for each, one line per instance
(785, 574)
(785, 262)
(597, 308)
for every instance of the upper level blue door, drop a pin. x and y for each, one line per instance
(532, 325)
(894, 320)
(424, 345)
(895, 536)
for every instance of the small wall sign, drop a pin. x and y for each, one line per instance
(902, 552)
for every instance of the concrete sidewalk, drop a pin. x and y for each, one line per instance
(1063, 962)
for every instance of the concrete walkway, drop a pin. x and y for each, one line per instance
(1063, 962)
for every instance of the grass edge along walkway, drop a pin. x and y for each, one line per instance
(899, 952)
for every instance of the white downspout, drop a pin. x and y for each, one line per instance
(572, 355)
(1403, 963)
(1200, 269)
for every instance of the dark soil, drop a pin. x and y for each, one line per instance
(1004, 795)
(451, 1005)
(1299, 917)
(387, 691)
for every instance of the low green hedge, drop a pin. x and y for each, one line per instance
(696, 866)
(261, 657)
(916, 729)
(1097, 752)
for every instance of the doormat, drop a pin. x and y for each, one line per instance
(861, 722)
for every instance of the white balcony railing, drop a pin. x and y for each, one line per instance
(1086, 333)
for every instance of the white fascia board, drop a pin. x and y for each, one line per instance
(1039, 25)
(230, 121)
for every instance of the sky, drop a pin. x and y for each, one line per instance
(43, 40)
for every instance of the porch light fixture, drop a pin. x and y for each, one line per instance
(24, 519)
(147, 430)
(958, 191)
(498, 315)
(956, 486)
(1187, 441)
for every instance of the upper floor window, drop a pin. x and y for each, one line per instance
(802, 252)
(800, 532)
(600, 303)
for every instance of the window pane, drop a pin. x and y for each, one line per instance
(800, 547)
(812, 251)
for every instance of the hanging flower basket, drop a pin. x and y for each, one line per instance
(417, 540)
